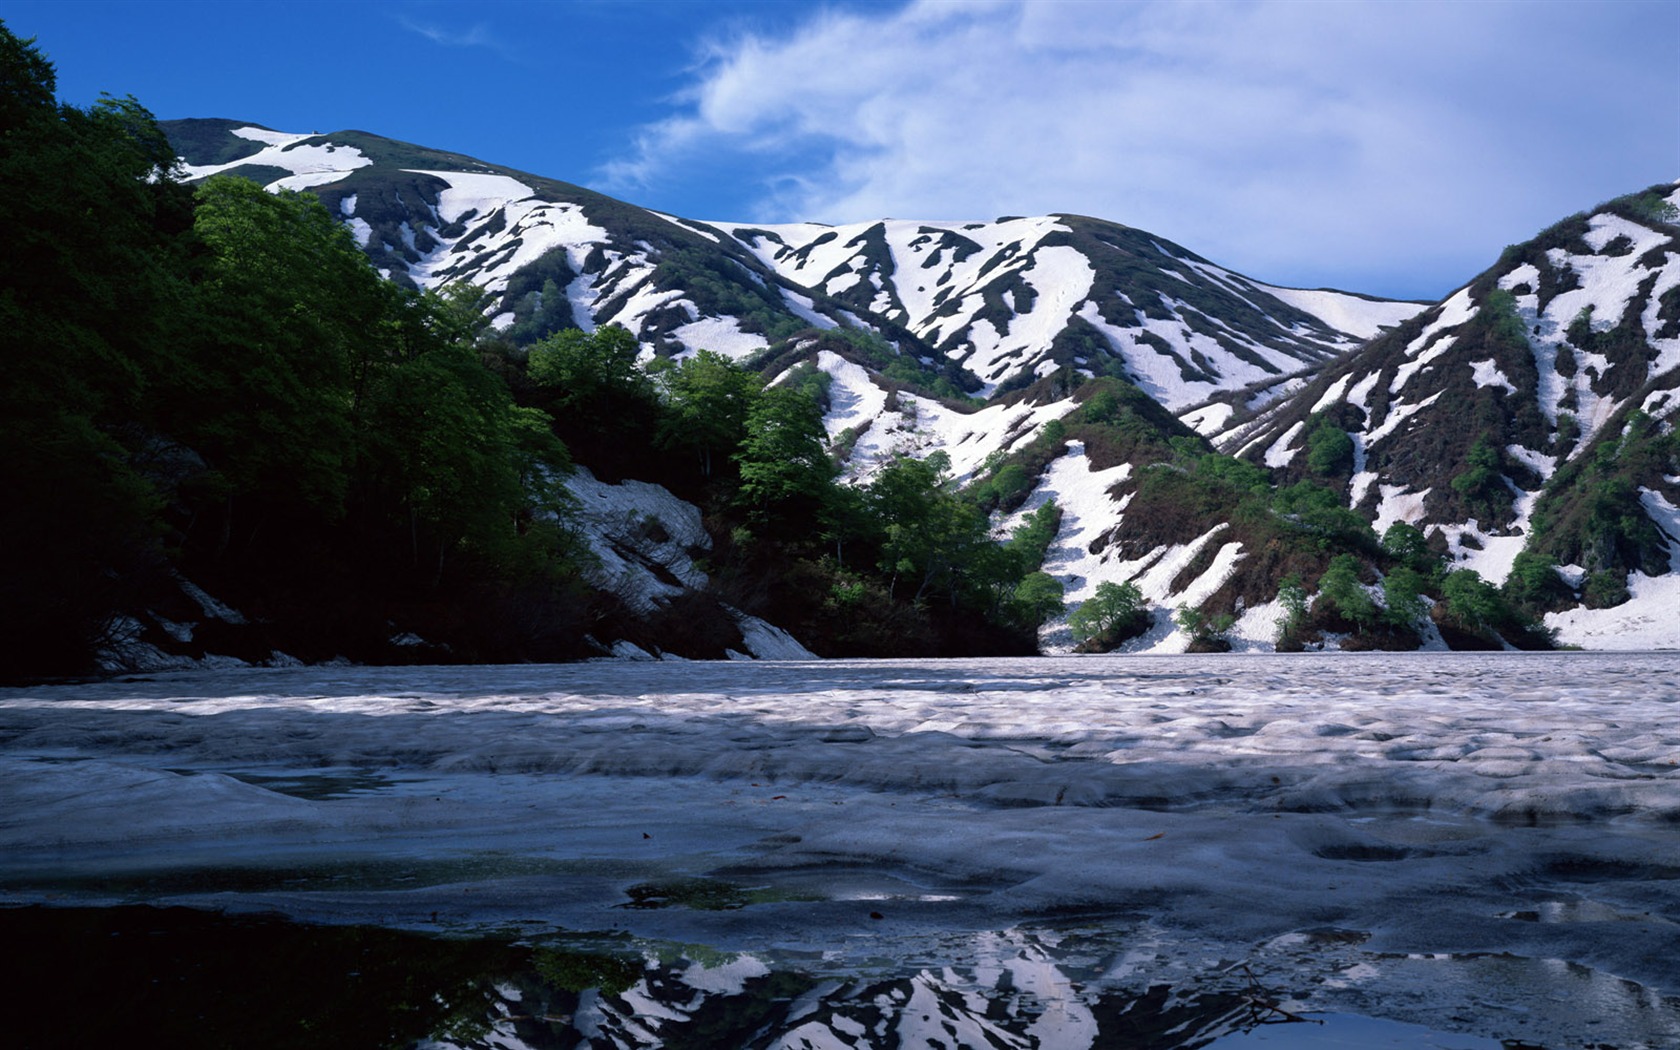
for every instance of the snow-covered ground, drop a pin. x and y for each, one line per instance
(1481, 843)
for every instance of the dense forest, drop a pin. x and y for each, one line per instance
(209, 389)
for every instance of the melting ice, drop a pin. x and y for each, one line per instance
(1480, 843)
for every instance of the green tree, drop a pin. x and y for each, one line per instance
(91, 281)
(1319, 512)
(1472, 601)
(1403, 600)
(1406, 544)
(1481, 484)
(1534, 585)
(930, 532)
(604, 406)
(708, 400)
(1037, 599)
(1032, 538)
(1604, 590)
(1500, 310)
(1293, 597)
(1110, 605)
(290, 319)
(785, 469)
(460, 459)
(1341, 589)
(1329, 448)
(1207, 631)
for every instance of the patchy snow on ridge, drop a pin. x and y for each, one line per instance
(805, 309)
(1487, 373)
(1357, 316)
(921, 426)
(1280, 453)
(1061, 276)
(531, 227)
(1210, 419)
(1396, 504)
(282, 151)
(267, 137)
(1088, 511)
(1491, 556)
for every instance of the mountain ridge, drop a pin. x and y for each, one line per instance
(614, 270)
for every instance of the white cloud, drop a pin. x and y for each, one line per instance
(1299, 141)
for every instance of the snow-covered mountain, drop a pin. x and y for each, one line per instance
(1010, 300)
(1530, 410)
(1016, 298)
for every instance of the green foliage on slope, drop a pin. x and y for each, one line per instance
(217, 383)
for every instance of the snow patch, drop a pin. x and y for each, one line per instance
(1209, 419)
(1666, 517)
(766, 641)
(641, 536)
(1487, 373)
(1279, 454)
(804, 308)
(722, 335)
(1396, 504)
(318, 163)
(1646, 621)
(1357, 316)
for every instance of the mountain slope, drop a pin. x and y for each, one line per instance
(1531, 410)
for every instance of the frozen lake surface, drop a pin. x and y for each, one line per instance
(984, 852)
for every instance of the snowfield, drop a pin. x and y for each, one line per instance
(1480, 843)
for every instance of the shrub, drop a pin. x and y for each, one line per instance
(1403, 597)
(1329, 449)
(1605, 590)
(1406, 544)
(1110, 605)
(1207, 632)
(1472, 601)
(1319, 511)
(1293, 597)
(1481, 484)
(1037, 598)
(1534, 585)
(1340, 589)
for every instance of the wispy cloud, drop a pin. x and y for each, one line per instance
(1297, 140)
(477, 35)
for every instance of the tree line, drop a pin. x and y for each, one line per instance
(212, 381)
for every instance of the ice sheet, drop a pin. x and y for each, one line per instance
(1516, 806)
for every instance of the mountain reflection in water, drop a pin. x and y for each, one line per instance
(185, 978)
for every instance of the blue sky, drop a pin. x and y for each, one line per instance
(1390, 148)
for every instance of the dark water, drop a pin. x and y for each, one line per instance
(181, 978)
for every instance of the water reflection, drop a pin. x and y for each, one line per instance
(185, 978)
